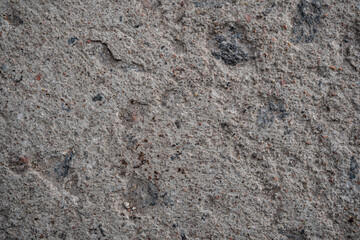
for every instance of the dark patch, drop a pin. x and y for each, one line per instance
(183, 236)
(14, 20)
(287, 130)
(224, 125)
(98, 230)
(63, 168)
(226, 85)
(204, 216)
(320, 84)
(181, 170)
(306, 21)
(19, 80)
(153, 193)
(102, 230)
(132, 142)
(142, 159)
(121, 168)
(22, 164)
(98, 97)
(167, 199)
(269, 9)
(353, 170)
(142, 193)
(72, 40)
(177, 124)
(351, 219)
(124, 162)
(86, 215)
(86, 154)
(62, 236)
(294, 234)
(265, 118)
(65, 107)
(176, 156)
(231, 44)
(231, 53)
(278, 107)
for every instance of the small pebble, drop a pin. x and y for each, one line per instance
(127, 205)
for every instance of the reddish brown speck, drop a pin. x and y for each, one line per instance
(248, 18)
(24, 160)
(38, 77)
(282, 82)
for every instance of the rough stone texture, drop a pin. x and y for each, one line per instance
(179, 119)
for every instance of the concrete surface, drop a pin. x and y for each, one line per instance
(179, 119)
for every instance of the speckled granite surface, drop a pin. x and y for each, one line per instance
(179, 119)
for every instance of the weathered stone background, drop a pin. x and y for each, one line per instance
(179, 119)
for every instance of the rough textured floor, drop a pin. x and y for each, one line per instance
(180, 119)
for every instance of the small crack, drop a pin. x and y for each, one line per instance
(108, 48)
(132, 64)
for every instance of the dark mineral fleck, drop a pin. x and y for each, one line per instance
(306, 20)
(98, 97)
(72, 40)
(353, 170)
(63, 168)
